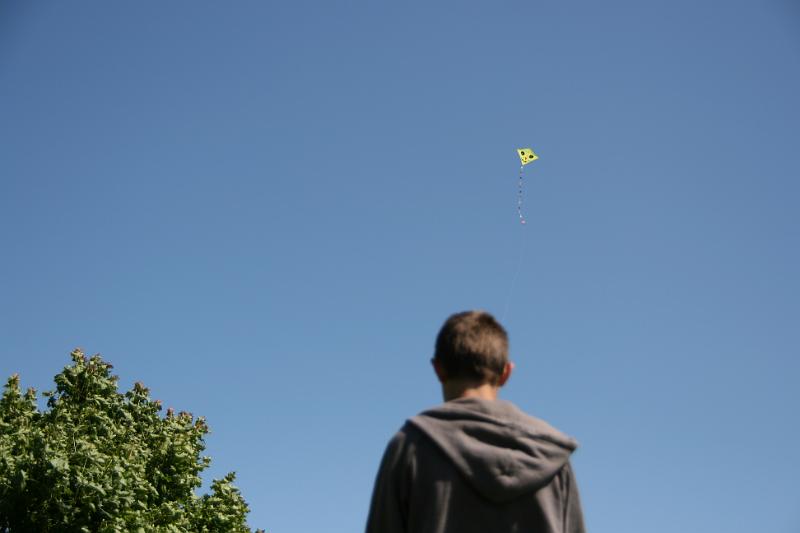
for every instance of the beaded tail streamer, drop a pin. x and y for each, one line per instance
(519, 198)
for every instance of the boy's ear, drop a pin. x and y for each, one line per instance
(441, 375)
(507, 370)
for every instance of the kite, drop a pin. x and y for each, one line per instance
(526, 156)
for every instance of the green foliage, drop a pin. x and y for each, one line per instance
(97, 460)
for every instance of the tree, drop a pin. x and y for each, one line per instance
(97, 460)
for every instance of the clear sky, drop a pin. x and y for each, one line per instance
(265, 210)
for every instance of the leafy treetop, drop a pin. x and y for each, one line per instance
(97, 460)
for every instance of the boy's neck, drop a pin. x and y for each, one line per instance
(456, 389)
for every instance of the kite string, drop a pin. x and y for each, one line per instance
(520, 256)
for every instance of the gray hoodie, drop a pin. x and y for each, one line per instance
(473, 465)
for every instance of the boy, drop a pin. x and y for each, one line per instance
(475, 463)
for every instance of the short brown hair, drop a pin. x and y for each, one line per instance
(472, 344)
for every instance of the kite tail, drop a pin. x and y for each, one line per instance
(519, 197)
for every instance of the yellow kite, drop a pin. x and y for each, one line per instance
(526, 155)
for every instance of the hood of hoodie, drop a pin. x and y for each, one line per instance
(500, 450)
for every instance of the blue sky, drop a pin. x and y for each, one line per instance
(265, 210)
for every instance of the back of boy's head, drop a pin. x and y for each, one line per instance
(472, 345)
